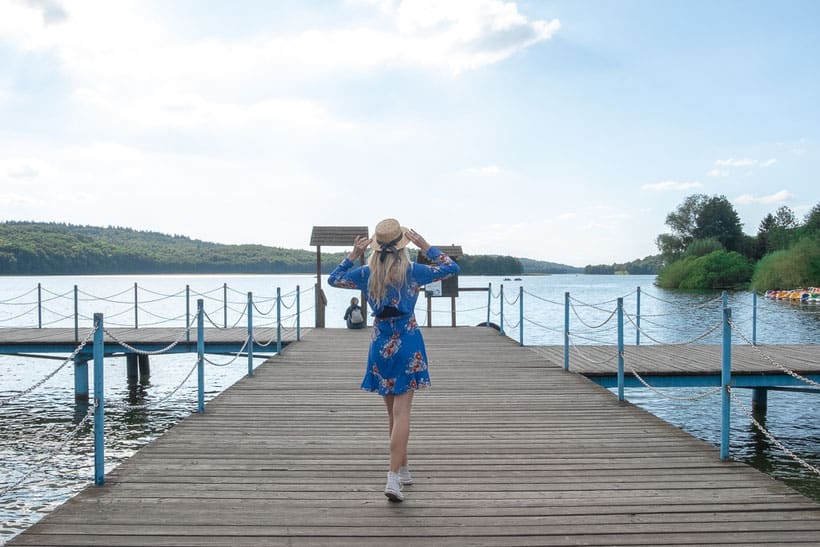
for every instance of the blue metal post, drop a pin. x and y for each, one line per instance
(99, 402)
(620, 349)
(725, 381)
(521, 316)
(725, 297)
(225, 304)
(501, 321)
(136, 308)
(200, 356)
(566, 331)
(250, 334)
(754, 318)
(638, 319)
(298, 316)
(77, 319)
(489, 301)
(39, 307)
(188, 314)
(278, 320)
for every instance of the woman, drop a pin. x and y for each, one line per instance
(397, 359)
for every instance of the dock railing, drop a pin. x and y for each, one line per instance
(268, 313)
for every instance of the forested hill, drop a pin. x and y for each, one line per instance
(35, 248)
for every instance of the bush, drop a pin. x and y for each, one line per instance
(796, 267)
(702, 247)
(716, 270)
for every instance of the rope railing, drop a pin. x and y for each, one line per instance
(23, 295)
(697, 338)
(578, 316)
(769, 435)
(698, 305)
(702, 395)
(771, 360)
(41, 463)
(49, 376)
(583, 357)
(166, 397)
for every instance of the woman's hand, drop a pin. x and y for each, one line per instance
(416, 239)
(359, 246)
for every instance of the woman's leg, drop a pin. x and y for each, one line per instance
(388, 403)
(400, 429)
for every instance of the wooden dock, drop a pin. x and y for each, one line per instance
(506, 449)
(63, 340)
(691, 359)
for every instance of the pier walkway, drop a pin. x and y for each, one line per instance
(506, 449)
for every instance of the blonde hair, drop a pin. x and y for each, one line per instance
(391, 271)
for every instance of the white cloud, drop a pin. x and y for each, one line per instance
(23, 171)
(723, 168)
(670, 185)
(779, 197)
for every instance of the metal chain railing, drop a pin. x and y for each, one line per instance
(771, 437)
(760, 352)
(702, 395)
(50, 455)
(587, 325)
(49, 376)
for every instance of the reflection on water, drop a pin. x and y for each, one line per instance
(40, 440)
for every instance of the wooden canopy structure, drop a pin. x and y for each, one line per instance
(332, 236)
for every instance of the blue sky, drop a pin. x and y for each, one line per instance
(556, 130)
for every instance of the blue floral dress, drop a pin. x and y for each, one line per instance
(397, 359)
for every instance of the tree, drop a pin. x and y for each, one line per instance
(682, 221)
(718, 219)
(811, 224)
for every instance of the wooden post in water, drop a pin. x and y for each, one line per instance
(144, 367)
(81, 378)
(99, 401)
(131, 368)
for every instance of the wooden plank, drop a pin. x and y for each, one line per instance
(506, 449)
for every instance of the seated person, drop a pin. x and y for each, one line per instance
(353, 315)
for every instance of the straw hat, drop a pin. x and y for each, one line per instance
(389, 233)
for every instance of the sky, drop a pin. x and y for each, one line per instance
(563, 131)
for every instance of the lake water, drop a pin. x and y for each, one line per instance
(43, 449)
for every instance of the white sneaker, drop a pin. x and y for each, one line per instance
(393, 487)
(405, 478)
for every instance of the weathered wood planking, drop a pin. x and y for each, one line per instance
(506, 449)
(689, 359)
(142, 335)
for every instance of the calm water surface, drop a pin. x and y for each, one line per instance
(42, 445)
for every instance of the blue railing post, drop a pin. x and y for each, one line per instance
(521, 316)
(638, 319)
(566, 331)
(187, 314)
(754, 318)
(725, 380)
(501, 321)
(39, 306)
(136, 308)
(620, 349)
(250, 334)
(489, 301)
(725, 298)
(298, 316)
(225, 305)
(200, 356)
(99, 401)
(278, 320)
(76, 316)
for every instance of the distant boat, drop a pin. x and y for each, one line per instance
(518, 279)
(507, 279)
